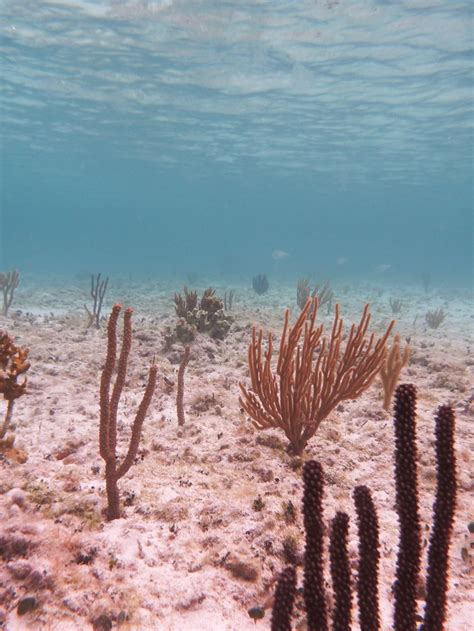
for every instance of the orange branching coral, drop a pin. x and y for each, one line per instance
(313, 373)
(13, 364)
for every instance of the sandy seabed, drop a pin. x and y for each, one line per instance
(205, 508)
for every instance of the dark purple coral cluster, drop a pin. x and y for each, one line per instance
(409, 551)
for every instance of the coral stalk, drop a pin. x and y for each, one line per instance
(369, 556)
(313, 584)
(443, 517)
(180, 393)
(109, 408)
(284, 600)
(409, 549)
(340, 573)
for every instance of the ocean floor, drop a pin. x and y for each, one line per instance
(211, 510)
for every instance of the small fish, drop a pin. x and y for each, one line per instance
(278, 255)
(384, 267)
(342, 260)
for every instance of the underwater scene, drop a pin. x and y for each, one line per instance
(236, 315)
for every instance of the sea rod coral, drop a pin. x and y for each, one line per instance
(109, 408)
(405, 615)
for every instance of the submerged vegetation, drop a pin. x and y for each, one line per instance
(316, 369)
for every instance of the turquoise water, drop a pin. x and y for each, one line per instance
(167, 137)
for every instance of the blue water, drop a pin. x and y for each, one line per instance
(163, 137)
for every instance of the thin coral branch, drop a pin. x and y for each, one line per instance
(138, 423)
(105, 382)
(180, 391)
(98, 289)
(120, 378)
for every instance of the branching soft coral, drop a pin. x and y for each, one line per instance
(13, 363)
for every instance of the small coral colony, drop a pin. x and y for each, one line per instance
(313, 371)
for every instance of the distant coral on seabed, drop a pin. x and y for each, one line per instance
(9, 281)
(323, 292)
(260, 284)
(97, 291)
